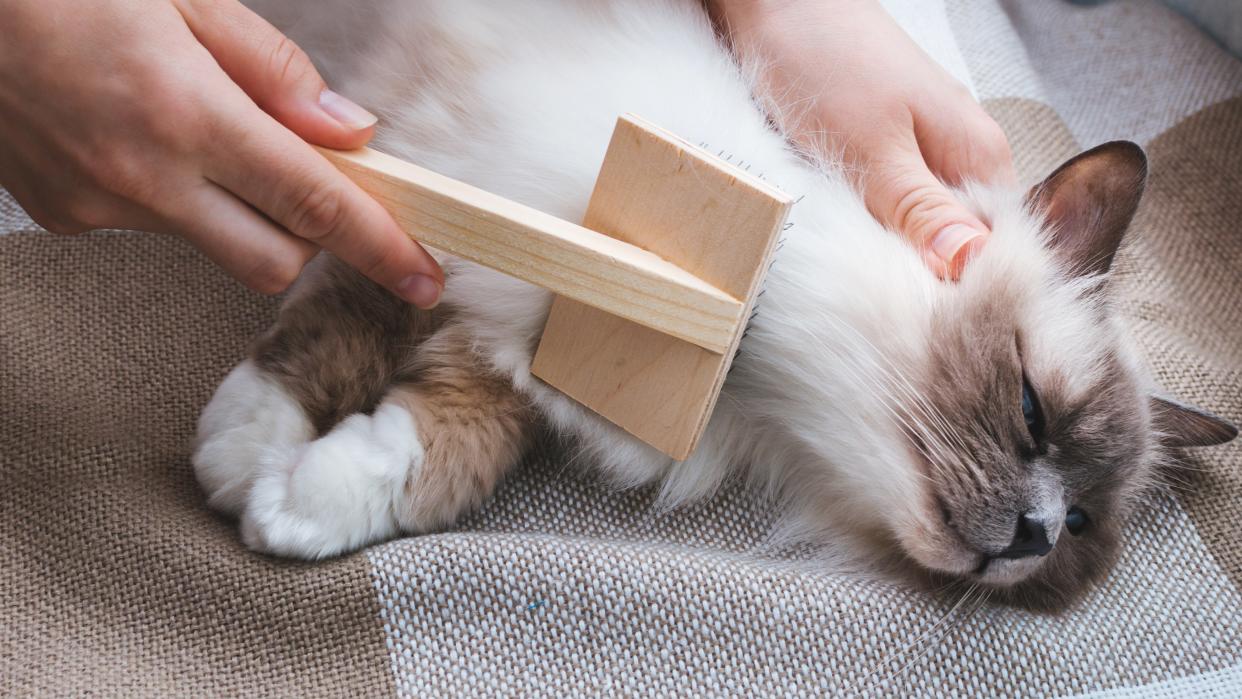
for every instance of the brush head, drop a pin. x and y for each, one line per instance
(698, 212)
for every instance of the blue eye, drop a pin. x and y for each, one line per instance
(1031, 413)
(1076, 520)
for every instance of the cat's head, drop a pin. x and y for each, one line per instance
(1029, 424)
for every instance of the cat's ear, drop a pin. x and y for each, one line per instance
(1181, 425)
(1089, 202)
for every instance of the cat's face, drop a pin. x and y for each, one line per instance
(1029, 427)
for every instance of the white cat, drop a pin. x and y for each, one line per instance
(995, 430)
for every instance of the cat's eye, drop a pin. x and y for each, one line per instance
(1076, 520)
(1031, 412)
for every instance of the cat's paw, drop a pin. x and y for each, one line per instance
(340, 492)
(249, 422)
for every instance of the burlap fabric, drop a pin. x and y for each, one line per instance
(115, 580)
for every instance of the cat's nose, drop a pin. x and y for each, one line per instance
(1029, 539)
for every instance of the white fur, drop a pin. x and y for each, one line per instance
(520, 98)
(339, 492)
(249, 421)
(299, 496)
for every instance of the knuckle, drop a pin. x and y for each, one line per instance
(287, 61)
(377, 263)
(165, 105)
(88, 213)
(958, 90)
(993, 144)
(57, 224)
(177, 120)
(123, 174)
(271, 276)
(319, 214)
(917, 208)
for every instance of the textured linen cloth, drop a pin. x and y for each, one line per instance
(115, 579)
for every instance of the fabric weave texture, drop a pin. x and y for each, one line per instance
(115, 579)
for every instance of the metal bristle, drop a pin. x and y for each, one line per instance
(780, 243)
(754, 309)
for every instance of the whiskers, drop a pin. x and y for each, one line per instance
(973, 598)
(873, 372)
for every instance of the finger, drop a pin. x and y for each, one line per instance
(276, 74)
(972, 147)
(236, 237)
(281, 176)
(904, 195)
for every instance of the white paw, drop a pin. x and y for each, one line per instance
(340, 493)
(249, 421)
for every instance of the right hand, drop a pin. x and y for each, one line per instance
(191, 117)
(864, 91)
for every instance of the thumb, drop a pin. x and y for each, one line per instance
(904, 195)
(276, 74)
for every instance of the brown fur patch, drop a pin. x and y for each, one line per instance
(472, 424)
(339, 341)
(342, 344)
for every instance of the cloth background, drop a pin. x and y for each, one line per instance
(116, 580)
(1222, 19)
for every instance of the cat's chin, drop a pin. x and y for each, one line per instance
(999, 572)
(957, 569)
(935, 547)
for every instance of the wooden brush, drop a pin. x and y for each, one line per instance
(654, 289)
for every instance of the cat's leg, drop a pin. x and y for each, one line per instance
(251, 420)
(443, 435)
(328, 355)
(473, 426)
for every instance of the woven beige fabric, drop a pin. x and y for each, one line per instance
(1120, 69)
(1183, 285)
(559, 586)
(114, 577)
(115, 580)
(554, 614)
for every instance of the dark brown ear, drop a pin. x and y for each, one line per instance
(1181, 425)
(1089, 202)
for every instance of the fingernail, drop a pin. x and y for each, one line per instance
(346, 112)
(955, 244)
(420, 290)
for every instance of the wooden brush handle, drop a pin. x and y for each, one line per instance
(584, 265)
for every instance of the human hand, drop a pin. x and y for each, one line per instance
(861, 88)
(188, 117)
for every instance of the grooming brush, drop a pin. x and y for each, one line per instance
(653, 290)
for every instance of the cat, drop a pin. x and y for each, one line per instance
(997, 430)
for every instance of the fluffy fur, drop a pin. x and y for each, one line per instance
(883, 404)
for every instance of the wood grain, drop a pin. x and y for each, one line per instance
(611, 274)
(710, 218)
